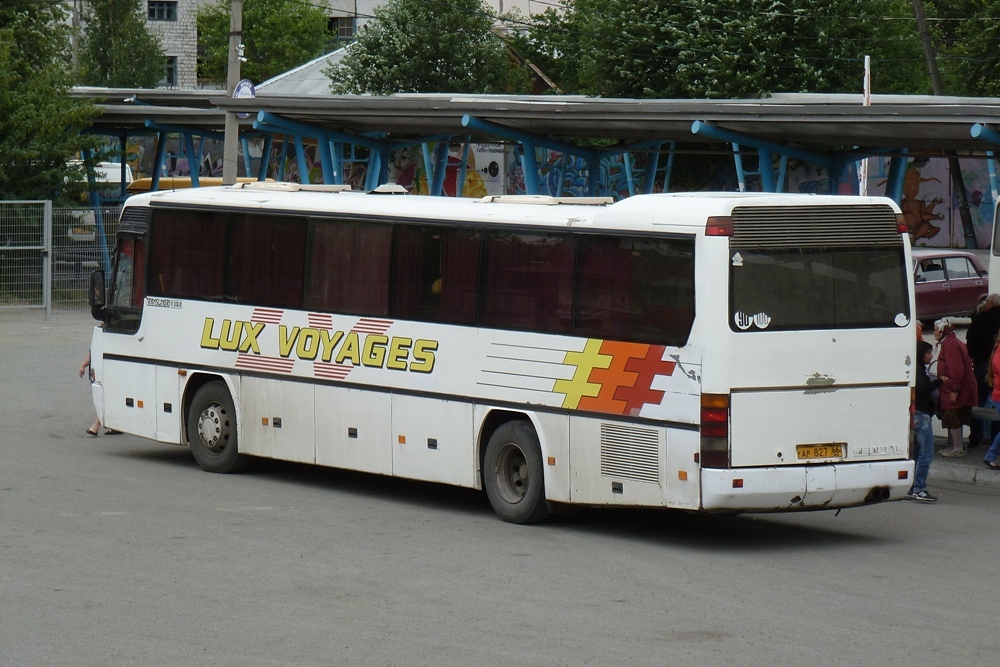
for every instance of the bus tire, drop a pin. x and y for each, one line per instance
(211, 430)
(512, 474)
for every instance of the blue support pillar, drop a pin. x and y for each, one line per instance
(463, 168)
(649, 176)
(561, 176)
(766, 169)
(95, 201)
(300, 156)
(627, 163)
(374, 175)
(741, 177)
(247, 163)
(325, 159)
(385, 157)
(440, 168)
(193, 167)
(529, 165)
(670, 168)
(161, 153)
(991, 166)
(338, 161)
(265, 157)
(897, 174)
(593, 175)
(425, 152)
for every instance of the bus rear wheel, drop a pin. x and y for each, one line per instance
(211, 430)
(512, 474)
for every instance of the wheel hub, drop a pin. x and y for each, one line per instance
(512, 474)
(210, 427)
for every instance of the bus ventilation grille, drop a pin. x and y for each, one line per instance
(135, 220)
(629, 452)
(814, 226)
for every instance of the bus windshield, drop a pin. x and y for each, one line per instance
(817, 288)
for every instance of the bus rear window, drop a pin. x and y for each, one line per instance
(796, 289)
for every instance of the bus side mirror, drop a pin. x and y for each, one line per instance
(97, 295)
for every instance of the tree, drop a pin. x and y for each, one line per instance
(116, 50)
(428, 46)
(726, 48)
(966, 34)
(41, 124)
(278, 35)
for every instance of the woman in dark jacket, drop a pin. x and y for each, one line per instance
(958, 392)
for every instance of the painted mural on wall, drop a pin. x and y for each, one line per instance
(928, 204)
(484, 172)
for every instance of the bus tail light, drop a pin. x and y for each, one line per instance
(715, 430)
(719, 225)
(901, 225)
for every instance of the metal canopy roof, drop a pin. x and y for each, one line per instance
(924, 125)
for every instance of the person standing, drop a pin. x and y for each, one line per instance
(923, 431)
(993, 379)
(958, 391)
(85, 370)
(979, 339)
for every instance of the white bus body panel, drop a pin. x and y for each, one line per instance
(130, 397)
(168, 397)
(557, 451)
(277, 420)
(433, 440)
(353, 430)
(767, 425)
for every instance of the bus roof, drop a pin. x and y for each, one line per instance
(641, 212)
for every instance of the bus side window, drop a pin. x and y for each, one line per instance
(179, 267)
(349, 267)
(529, 282)
(123, 287)
(435, 274)
(265, 260)
(124, 310)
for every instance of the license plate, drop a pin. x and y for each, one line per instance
(829, 451)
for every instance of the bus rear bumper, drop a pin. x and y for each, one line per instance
(782, 489)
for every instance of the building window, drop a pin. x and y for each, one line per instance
(342, 27)
(160, 10)
(170, 72)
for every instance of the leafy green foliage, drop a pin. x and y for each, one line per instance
(427, 46)
(41, 124)
(966, 37)
(117, 51)
(726, 48)
(278, 35)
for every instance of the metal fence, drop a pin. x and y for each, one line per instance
(47, 254)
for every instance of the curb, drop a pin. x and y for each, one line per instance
(942, 471)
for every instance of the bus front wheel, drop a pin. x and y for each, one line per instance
(211, 430)
(512, 474)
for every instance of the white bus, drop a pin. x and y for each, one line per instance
(715, 352)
